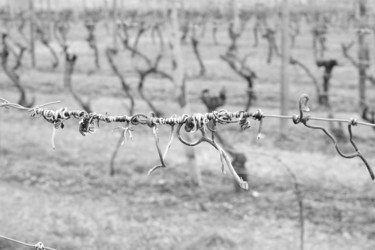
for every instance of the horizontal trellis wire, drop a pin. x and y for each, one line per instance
(191, 123)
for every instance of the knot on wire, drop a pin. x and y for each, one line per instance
(258, 115)
(150, 120)
(126, 133)
(86, 124)
(39, 246)
(195, 122)
(222, 116)
(137, 119)
(36, 112)
(243, 122)
(189, 124)
(297, 119)
(57, 117)
(201, 120)
(3, 103)
(79, 114)
(303, 107)
(353, 122)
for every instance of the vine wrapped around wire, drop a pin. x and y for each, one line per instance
(192, 123)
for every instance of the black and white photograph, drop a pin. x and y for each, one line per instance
(187, 124)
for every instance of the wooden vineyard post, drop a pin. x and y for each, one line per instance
(106, 16)
(285, 57)
(363, 52)
(179, 71)
(10, 15)
(84, 6)
(179, 80)
(50, 19)
(114, 24)
(236, 21)
(32, 33)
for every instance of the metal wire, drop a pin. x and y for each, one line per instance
(37, 246)
(192, 123)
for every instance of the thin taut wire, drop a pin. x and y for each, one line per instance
(37, 246)
(192, 123)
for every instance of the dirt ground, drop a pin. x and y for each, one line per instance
(66, 198)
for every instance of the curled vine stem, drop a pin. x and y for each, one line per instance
(213, 130)
(260, 135)
(352, 122)
(223, 117)
(53, 137)
(259, 115)
(243, 122)
(191, 123)
(58, 123)
(348, 156)
(303, 107)
(126, 133)
(86, 126)
(164, 155)
(224, 157)
(56, 118)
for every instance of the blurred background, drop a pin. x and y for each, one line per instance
(120, 57)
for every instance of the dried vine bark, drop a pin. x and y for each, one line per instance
(238, 159)
(125, 87)
(214, 32)
(21, 24)
(143, 74)
(258, 27)
(233, 36)
(362, 66)
(156, 28)
(328, 66)
(185, 28)
(308, 72)
(270, 36)
(46, 42)
(60, 31)
(91, 39)
(70, 60)
(151, 67)
(110, 53)
(12, 74)
(322, 92)
(239, 66)
(14, 48)
(141, 30)
(195, 44)
(319, 33)
(18, 56)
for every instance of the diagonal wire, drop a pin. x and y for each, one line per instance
(37, 246)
